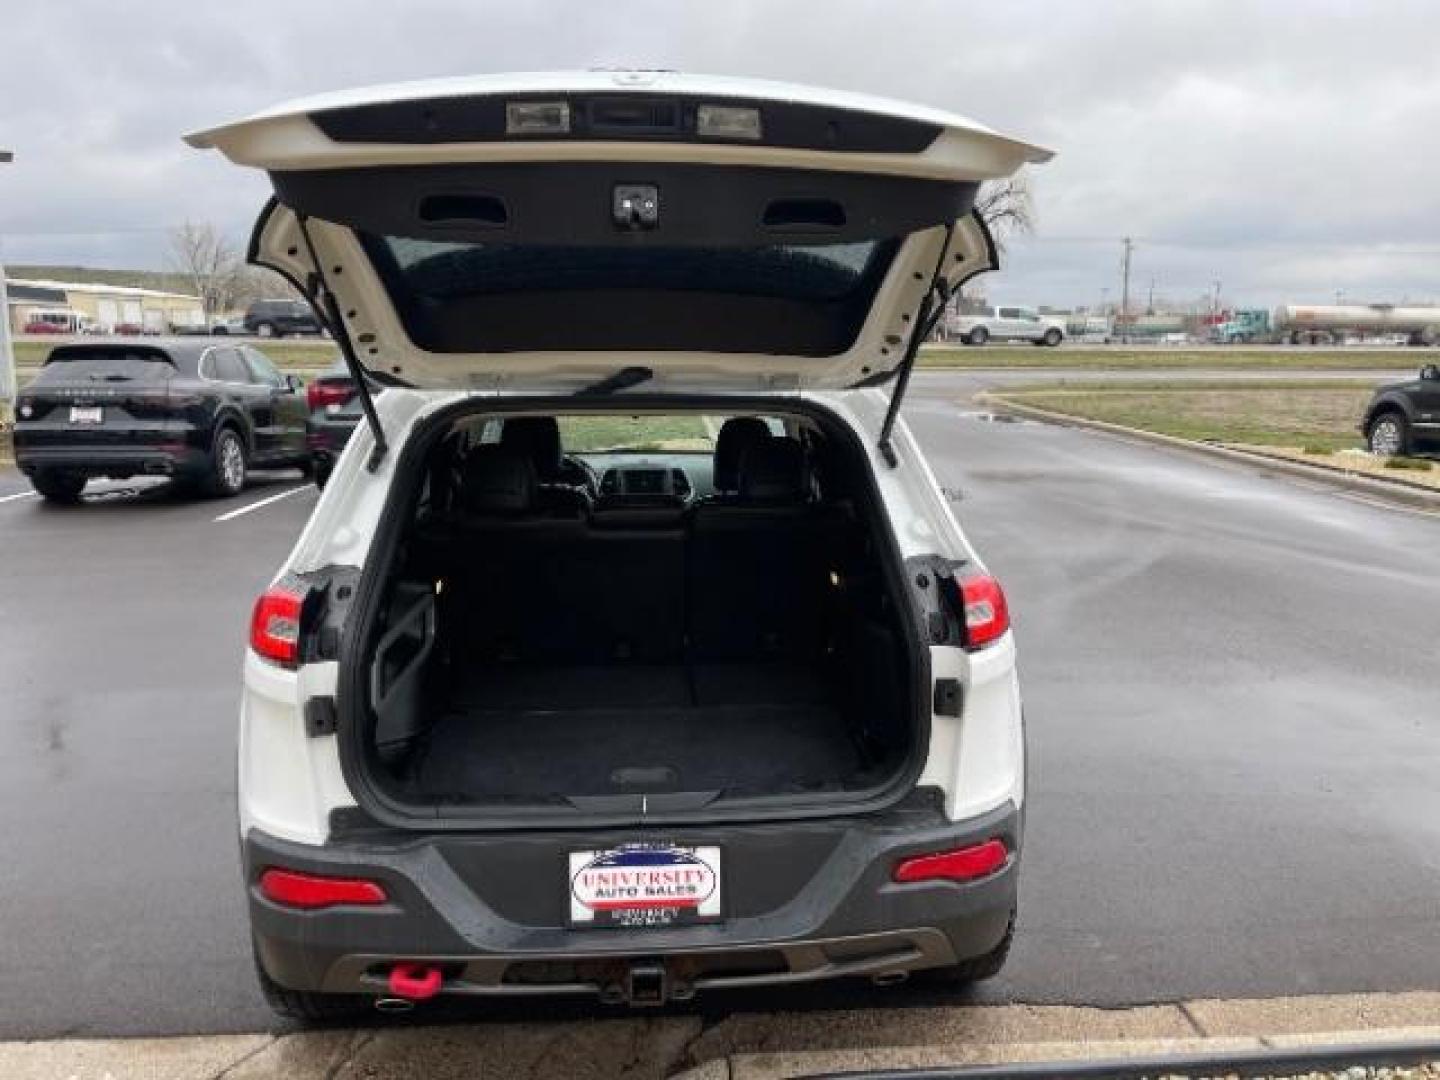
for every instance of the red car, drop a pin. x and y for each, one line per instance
(45, 328)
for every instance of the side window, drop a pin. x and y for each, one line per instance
(226, 366)
(1009, 313)
(264, 371)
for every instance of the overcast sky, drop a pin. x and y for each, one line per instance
(1288, 149)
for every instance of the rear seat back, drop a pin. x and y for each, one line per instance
(544, 584)
(757, 568)
(515, 562)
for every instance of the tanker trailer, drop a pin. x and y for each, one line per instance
(1314, 324)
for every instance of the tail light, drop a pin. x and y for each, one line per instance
(294, 889)
(962, 864)
(986, 614)
(320, 394)
(275, 625)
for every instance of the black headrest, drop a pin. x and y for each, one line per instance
(538, 438)
(497, 480)
(737, 435)
(775, 471)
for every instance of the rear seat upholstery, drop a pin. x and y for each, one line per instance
(757, 568)
(738, 580)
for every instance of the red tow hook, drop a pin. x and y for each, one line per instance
(415, 982)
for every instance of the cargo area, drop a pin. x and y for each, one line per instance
(638, 629)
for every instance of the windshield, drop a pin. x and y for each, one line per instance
(638, 434)
(796, 299)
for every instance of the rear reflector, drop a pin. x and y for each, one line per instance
(275, 625)
(987, 615)
(963, 864)
(294, 889)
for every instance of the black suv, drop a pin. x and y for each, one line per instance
(202, 414)
(1404, 418)
(276, 318)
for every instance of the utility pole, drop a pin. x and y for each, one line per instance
(8, 385)
(1125, 294)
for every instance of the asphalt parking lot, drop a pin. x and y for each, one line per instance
(1231, 697)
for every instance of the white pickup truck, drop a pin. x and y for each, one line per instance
(1009, 324)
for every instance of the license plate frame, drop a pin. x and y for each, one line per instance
(87, 414)
(645, 886)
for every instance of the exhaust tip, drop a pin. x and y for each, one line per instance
(890, 978)
(393, 1005)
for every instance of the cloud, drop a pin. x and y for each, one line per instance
(1285, 147)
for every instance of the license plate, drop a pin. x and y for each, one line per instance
(86, 414)
(644, 885)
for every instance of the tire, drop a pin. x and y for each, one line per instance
(973, 970)
(322, 475)
(307, 1007)
(1052, 338)
(58, 487)
(226, 474)
(265, 330)
(1389, 435)
(978, 336)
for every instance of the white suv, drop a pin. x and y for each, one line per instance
(632, 648)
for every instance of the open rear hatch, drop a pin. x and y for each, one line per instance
(540, 233)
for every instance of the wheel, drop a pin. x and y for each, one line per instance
(307, 1007)
(1389, 435)
(265, 329)
(227, 464)
(972, 970)
(58, 487)
(1052, 338)
(220, 331)
(322, 474)
(977, 336)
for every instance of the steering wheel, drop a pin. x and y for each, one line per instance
(588, 477)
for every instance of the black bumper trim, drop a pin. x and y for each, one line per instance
(476, 904)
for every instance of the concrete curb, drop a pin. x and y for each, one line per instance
(1398, 490)
(757, 1046)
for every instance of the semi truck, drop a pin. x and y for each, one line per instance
(1242, 327)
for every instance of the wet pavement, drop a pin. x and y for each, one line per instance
(1231, 691)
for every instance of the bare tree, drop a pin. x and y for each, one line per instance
(1008, 207)
(206, 259)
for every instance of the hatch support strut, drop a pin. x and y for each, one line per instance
(323, 298)
(925, 320)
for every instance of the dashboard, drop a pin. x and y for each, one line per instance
(649, 477)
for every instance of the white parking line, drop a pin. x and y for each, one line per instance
(18, 495)
(263, 503)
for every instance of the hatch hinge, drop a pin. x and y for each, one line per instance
(321, 718)
(931, 308)
(323, 299)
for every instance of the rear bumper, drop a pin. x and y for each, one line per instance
(326, 438)
(803, 901)
(116, 461)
